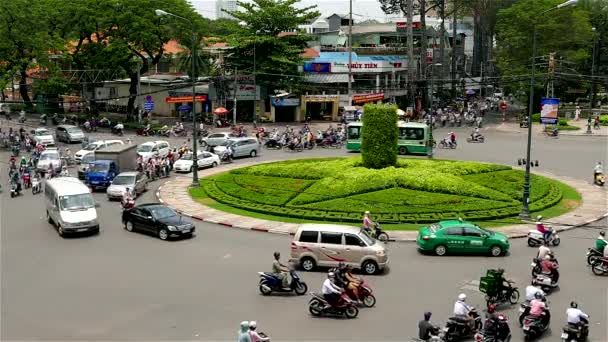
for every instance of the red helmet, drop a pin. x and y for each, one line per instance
(491, 308)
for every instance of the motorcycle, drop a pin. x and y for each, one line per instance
(445, 143)
(181, 133)
(269, 283)
(508, 294)
(318, 306)
(600, 266)
(36, 185)
(524, 311)
(127, 203)
(545, 282)
(15, 190)
(479, 139)
(592, 255)
(377, 233)
(365, 294)
(226, 157)
(273, 144)
(43, 120)
(599, 179)
(554, 133)
(523, 124)
(536, 267)
(26, 180)
(572, 333)
(294, 147)
(534, 327)
(22, 117)
(501, 331)
(328, 142)
(15, 150)
(458, 329)
(117, 131)
(535, 238)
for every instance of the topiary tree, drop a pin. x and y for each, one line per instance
(379, 136)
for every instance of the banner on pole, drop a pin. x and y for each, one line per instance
(548, 111)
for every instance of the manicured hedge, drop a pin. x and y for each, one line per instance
(416, 191)
(379, 136)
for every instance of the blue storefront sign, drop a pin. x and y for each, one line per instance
(281, 102)
(321, 68)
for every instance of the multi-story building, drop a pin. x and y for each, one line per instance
(228, 5)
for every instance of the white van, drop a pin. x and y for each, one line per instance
(70, 206)
(94, 146)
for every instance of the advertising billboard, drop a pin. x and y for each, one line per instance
(548, 111)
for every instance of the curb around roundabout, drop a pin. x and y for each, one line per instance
(175, 194)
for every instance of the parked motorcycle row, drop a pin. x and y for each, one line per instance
(290, 140)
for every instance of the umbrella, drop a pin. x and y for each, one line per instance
(184, 108)
(400, 112)
(220, 111)
(470, 92)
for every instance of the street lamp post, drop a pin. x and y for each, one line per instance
(525, 211)
(591, 93)
(195, 183)
(430, 142)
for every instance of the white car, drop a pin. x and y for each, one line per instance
(49, 157)
(205, 159)
(44, 137)
(147, 150)
(94, 146)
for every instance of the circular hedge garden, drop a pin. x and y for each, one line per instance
(415, 191)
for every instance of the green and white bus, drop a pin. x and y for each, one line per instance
(413, 137)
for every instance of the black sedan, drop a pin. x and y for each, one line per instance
(157, 219)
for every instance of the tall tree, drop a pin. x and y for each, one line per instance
(269, 37)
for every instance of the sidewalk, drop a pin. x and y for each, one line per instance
(174, 193)
(512, 127)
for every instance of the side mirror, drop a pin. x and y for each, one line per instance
(485, 236)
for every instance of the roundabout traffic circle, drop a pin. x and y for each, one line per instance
(415, 191)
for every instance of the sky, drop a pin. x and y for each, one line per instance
(362, 9)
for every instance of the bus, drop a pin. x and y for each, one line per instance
(413, 137)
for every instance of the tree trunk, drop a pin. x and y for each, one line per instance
(132, 94)
(23, 86)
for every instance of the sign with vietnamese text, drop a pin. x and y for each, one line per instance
(321, 68)
(364, 98)
(181, 99)
(402, 26)
(282, 102)
(548, 111)
(321, 98)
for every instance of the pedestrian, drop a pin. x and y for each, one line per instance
(577, 113)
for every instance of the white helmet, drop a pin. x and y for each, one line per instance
(330, 274)
(252, 325)
(462, 297)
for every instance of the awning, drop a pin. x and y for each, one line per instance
(328, 78)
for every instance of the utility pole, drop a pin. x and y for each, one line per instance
(410, 51)
(350, 52)
(138, 99)
(236, 85)
(441, 39)
(454, 23)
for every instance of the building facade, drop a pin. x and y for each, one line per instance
(228, 5)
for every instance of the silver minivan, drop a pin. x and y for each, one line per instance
(69, 134)
(70, 206)
(241, 147)
(328, 245)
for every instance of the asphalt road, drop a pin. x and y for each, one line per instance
(127, 286)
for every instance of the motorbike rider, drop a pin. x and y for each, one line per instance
(331, 292)
(426, 330)
(600, 242)
(462, 311)
(538, 308)
(368, 224)
(119, 128)
(255, 337)
(490, 326)
(281, 271)
(598, 170)
(352, 282)
(475, 134)
(16, 180)
(576, 318)
(244, 332)
(548, 266)
(540, 226)
(543, 251)
(64, 171)
(453, 138)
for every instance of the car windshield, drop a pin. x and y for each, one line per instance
(144, 148)
(227, 142)
(91, 147)
(123, 180)
(489, 232)
(366, 238)
(49, 156)
(88, 158)
(99, 167)
(42, 132)
(216, 136)
(76, 202)
(162, 212)
(188, 156)
(74, 130)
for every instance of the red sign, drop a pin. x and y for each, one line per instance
(364, 98)
(402, 25)
(503, 106)
(180, 99)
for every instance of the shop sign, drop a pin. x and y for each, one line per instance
(402, 26)
(364, 98)
(181, 99)
(321, 68)
(321, 98)
(367, 67)
(281, 102)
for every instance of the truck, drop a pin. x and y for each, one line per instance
(109, 162)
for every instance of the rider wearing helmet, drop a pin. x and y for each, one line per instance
(255, 337)
(538, 308)
(280, 270)
(491, 324)
(368, 224)
(462, 311)
(330, 291)
(601, 242)
(576, 317)
(598, 170)
(542, 229)
(548, 266)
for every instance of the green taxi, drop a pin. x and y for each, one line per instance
(461, 237)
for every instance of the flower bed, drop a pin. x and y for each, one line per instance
(415, 191)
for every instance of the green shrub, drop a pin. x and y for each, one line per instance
(604, 120)
(379, 136)
(563, 122)
(536, 117)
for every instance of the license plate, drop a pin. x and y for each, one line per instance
(186, 231)
(94, 182)
(526, 328)
(533, 265)
(82, 229)
(522, 309)
(564, 335)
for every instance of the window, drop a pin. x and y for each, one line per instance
(410, 133)
(251, 141)
(219, 135)
(471, 232)
(352, 240)
(309, 236)
(454, 231)
(206, 155)
(354, 132)
(331, 238)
